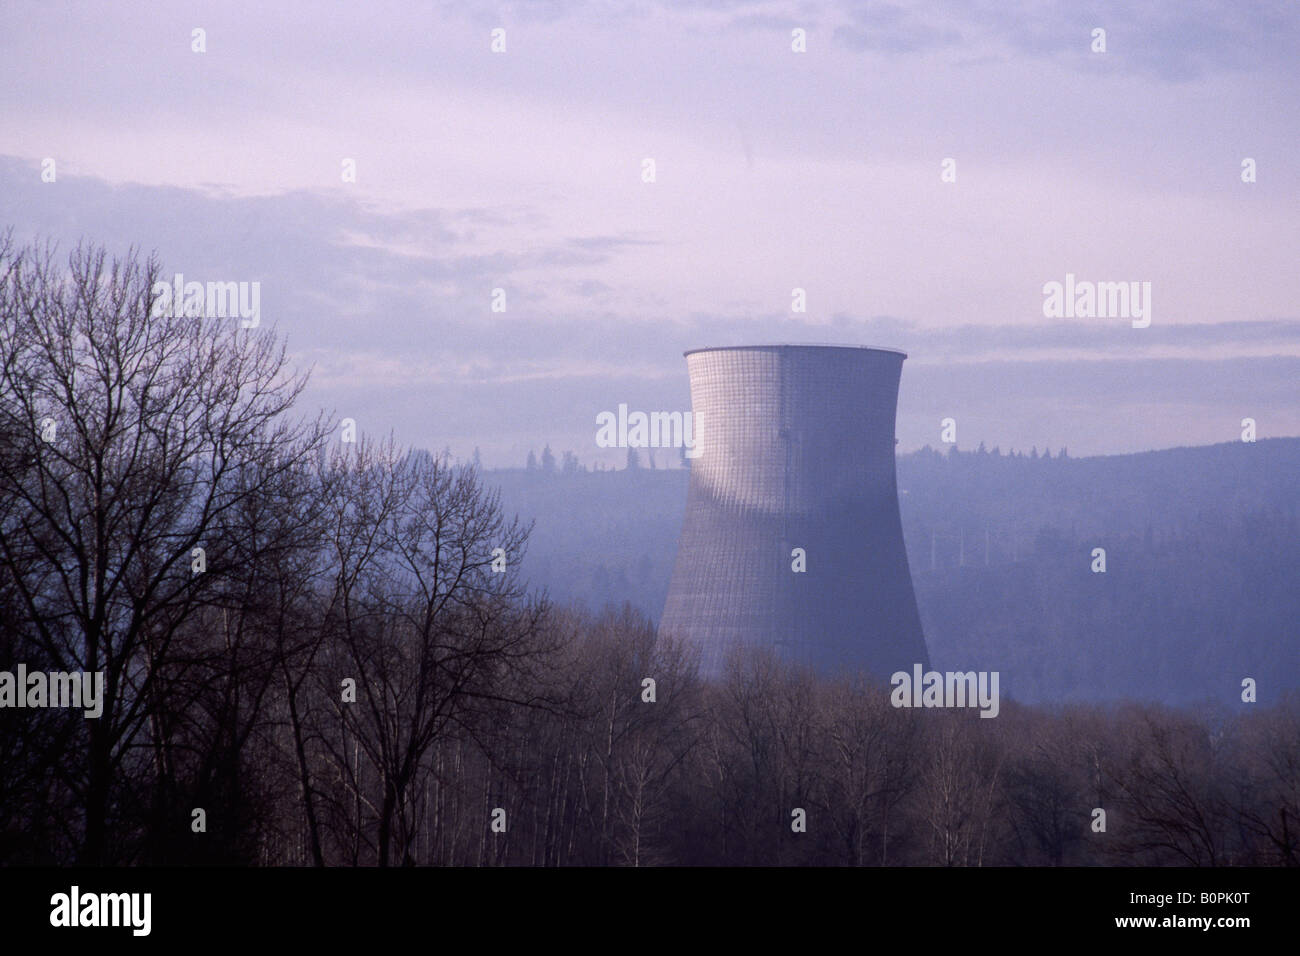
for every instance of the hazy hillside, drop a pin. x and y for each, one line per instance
(1202, 584)
(601, 537)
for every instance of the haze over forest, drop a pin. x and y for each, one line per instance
(1202, 548)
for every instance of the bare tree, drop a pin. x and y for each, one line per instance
(1171, 799)
(433, 621)
(136, 436)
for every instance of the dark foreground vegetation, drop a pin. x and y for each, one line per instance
(321, 652)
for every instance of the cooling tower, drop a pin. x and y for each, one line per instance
(795, 451)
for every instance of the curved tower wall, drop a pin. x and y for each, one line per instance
(796, 451)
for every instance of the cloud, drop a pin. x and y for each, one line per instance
(521, 172)
(888, 28)
(1177, 41)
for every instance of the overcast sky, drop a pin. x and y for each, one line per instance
(774, 170)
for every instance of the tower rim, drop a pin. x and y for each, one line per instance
(797, 345)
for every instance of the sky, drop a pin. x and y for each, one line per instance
(774, 170)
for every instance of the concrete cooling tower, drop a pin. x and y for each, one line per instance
(795, 449)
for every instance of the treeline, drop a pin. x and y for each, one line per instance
(1162, 492)
(773, 766)
(318, 651)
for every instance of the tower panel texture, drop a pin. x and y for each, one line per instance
(796, 450)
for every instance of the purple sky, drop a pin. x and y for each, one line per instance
(775, 170)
